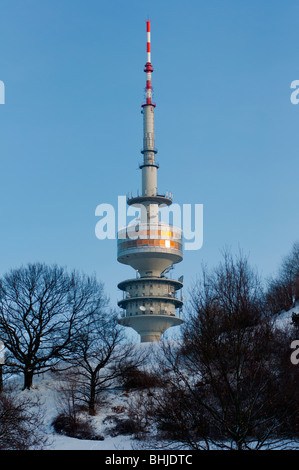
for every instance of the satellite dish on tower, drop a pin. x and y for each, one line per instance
(142, 308)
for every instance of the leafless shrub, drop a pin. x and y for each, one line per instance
(76, 426)
(136, 378)
(21, 422)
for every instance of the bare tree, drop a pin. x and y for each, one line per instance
(41, 310)
(99, 359)
(224, 382)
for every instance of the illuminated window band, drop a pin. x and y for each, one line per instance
(154, 233)
(150, 231)
(150, 242)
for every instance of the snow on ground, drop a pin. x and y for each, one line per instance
(114, 403)
(44, 389)
(284, 319)
(113, 400)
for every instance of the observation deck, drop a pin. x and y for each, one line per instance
(150, 248)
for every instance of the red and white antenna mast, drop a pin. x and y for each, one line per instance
(148, 66)
(149, 166)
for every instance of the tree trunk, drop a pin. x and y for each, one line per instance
(28, 379)
(91, 404)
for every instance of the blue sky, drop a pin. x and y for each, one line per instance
(71, 127)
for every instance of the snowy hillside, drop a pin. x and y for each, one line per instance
(114, 400)
(113, 408)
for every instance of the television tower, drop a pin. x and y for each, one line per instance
(151, 247)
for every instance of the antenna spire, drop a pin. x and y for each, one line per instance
(148, 68)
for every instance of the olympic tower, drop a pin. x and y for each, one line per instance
(150, 303)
